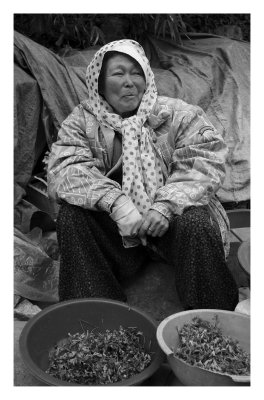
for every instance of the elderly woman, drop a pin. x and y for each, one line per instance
(136, 174)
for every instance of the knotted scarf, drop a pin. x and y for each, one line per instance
(142, 173)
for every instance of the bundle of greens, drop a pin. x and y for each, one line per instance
(203, 344)
(99, 358)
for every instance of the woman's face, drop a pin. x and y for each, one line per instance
(123, 84)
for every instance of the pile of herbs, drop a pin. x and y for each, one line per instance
(203, 344)
(99, 358)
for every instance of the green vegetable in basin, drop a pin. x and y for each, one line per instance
(96, 358)
(202, 344)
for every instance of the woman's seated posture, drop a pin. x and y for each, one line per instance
(135, 174)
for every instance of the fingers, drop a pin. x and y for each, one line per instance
(154, 231)
(162, 231)
(143, 241)
(135, 229)
(158, 231)
(143, 228)
(154, 224)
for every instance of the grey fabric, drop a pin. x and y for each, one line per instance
(26, 118)
(210, 71)
(214, 73)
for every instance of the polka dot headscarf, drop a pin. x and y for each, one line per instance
(141, 169)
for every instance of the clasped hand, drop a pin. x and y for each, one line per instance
(131, 224)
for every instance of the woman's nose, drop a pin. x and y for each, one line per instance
(128, 80)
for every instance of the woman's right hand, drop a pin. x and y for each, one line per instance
(127, 217)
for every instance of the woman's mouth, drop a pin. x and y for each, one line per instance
(129, 95)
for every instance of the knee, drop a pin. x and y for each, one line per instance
(194, 221)
(68, 216)
(66, 211)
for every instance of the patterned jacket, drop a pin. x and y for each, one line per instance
(191, 151)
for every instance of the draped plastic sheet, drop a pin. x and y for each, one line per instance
(36, 273)
(26, 113)
(210, 71)
(214, 73)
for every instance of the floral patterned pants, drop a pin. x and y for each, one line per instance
(94, 261)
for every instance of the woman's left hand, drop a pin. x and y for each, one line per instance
(154, 224)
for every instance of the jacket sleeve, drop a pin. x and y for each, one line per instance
(74, 174)
(197, 165)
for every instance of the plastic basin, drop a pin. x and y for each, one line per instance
(231, 323)
(54, 323)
